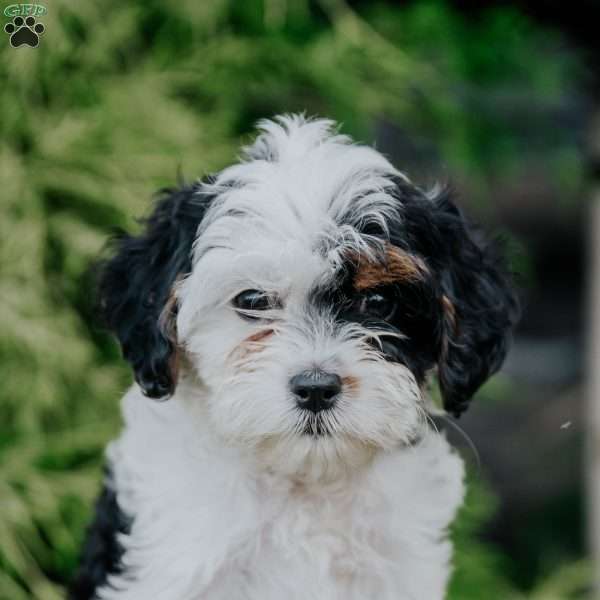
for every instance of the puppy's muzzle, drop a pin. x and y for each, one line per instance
(315, 390)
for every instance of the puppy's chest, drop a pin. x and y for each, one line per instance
(320, 536)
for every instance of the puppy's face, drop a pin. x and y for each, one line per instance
(312, 291)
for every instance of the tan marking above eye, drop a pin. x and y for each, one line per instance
(397, 265)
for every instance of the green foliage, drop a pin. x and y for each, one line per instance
(477, 565)
(121, 96)
(498, 78)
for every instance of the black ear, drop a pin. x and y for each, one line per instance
(135, 287)
(479, 306)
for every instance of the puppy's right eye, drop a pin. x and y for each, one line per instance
(252, 300)
(248, 301)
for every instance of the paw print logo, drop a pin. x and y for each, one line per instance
(24, 32)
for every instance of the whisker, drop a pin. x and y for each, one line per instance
(466, 437)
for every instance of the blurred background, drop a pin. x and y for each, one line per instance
(123, 97)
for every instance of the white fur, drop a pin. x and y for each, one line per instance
(230, 499)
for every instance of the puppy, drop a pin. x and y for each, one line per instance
(287, 312)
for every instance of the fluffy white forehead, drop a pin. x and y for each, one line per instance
(299, 195)
(300, 179)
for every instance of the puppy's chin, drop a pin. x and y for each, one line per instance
(314, 458)
(308, 449)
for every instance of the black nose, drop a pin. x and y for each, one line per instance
(315, 390)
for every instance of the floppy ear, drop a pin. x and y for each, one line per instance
(479, 307)
(136, 286)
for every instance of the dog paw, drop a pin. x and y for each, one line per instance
(24, 32)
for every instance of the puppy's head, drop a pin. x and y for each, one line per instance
(312, 289)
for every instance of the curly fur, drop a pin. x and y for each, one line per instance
(232, 488)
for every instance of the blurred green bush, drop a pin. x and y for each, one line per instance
(121, 97)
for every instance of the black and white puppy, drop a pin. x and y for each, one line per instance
(291, 309)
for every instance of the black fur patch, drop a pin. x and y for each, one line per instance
(136, 284)
(472, 284)
(102, 553)
(416, 316)
(457, 316)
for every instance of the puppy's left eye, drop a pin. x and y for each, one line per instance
(377, 304)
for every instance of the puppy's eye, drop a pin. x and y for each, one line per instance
(254, 300)
(377, 304)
